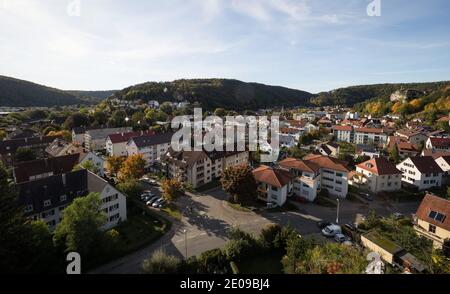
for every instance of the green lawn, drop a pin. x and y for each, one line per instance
(267, 264)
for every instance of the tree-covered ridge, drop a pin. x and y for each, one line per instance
(20, 93)
(379, 92)
(217, 93)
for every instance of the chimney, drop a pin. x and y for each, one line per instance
(63, 178)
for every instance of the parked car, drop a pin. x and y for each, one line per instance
(157, 202)
(331, 230)
(153, 200)
(351, 227)
(323, 224)
(161, 203)
(366, 196)
(341, 238)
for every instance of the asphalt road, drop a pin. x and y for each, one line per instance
(207, 217)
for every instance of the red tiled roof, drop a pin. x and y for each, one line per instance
(435, 154)
(436, 204)
(342, 128)
(369, 130)
(273, 176)
(379, 166)
(298, 164)
(326, 162)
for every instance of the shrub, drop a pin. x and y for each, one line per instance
(269, 234)
(161, 263)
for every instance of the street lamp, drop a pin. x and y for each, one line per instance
(337, 212)
(185, 244)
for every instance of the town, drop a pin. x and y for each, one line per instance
(104, 181)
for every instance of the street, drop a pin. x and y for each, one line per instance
(207, 217)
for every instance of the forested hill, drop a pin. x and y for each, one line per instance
(356, 94)
(20, 93)
(214, 93)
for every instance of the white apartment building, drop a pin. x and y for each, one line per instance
(421, 172)
(372, 136)
(343, 133)
(47, 198)
(151, 147)
(438, 144)
(317, 172)
(95, 140)
(379, 175)
(274, 185)
(116, 144)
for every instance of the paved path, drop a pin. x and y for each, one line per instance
(207, 217)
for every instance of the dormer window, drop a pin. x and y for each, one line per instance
(369, 165)
(47, 203)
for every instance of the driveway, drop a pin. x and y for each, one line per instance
(207, 217)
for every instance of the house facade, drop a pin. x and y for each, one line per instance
(438, 144)
(432, 219)
(421, 172)
(274, 185)
(47, 198)
(380, 175)
(151, 147)
(95, 140)
(116, 144)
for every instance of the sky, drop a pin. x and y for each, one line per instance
(311, 45)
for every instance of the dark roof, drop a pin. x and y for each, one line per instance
(432, 203)
(440, 142)
(125, 137)
(9, 146)
(56, 165)
(426, 164)
(150, 140)
(79, 130)
(73, 184)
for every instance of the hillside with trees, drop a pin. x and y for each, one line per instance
(217, 93)
(20, 93)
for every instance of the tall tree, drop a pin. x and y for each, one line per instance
(238, 181)
(172, 189)
(393, 154)
(114, 164)
(79, 229)
(133, 168)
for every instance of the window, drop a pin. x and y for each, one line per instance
(47, 203)
(62, 198)
(437, 216)
(274, 188)
(339, 175)
(29, 208)
(432, 229)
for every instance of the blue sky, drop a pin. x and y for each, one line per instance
(313, 45)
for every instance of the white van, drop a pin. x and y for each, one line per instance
(331, 230)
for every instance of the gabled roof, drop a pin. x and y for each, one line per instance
(342, 128)
(440, 142)
(298, 164)
(273, 176)
(56, 165)
(379, 166)
(9, 146)
(435, 154)
(326, 162)
(124, 137)
(432, 203)
(409, 133)
(150, 140)
(369, 130)
(103, 133)
(426, 164)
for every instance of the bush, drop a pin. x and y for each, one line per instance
(236, 249)
(269, 234)
(131, 188)
(212, 262)
(161, 263)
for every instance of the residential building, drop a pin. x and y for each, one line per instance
(372, 136)
(274, 185)
(95, 140)
(421, 172)
(438, 144)
(367, 150)
(47, 198)
(444, 164)
(379, 175)
(317, 172)
(404, 147)
(328, 149)
(78, 135)
(116, 144)
(415, 136)
(433, 219)
(8, 148)
(43, 168)
(152, 147)
(343, 133)
(198, 168)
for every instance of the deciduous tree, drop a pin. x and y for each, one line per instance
(238, 181)
(133, 168)
(172, 189)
